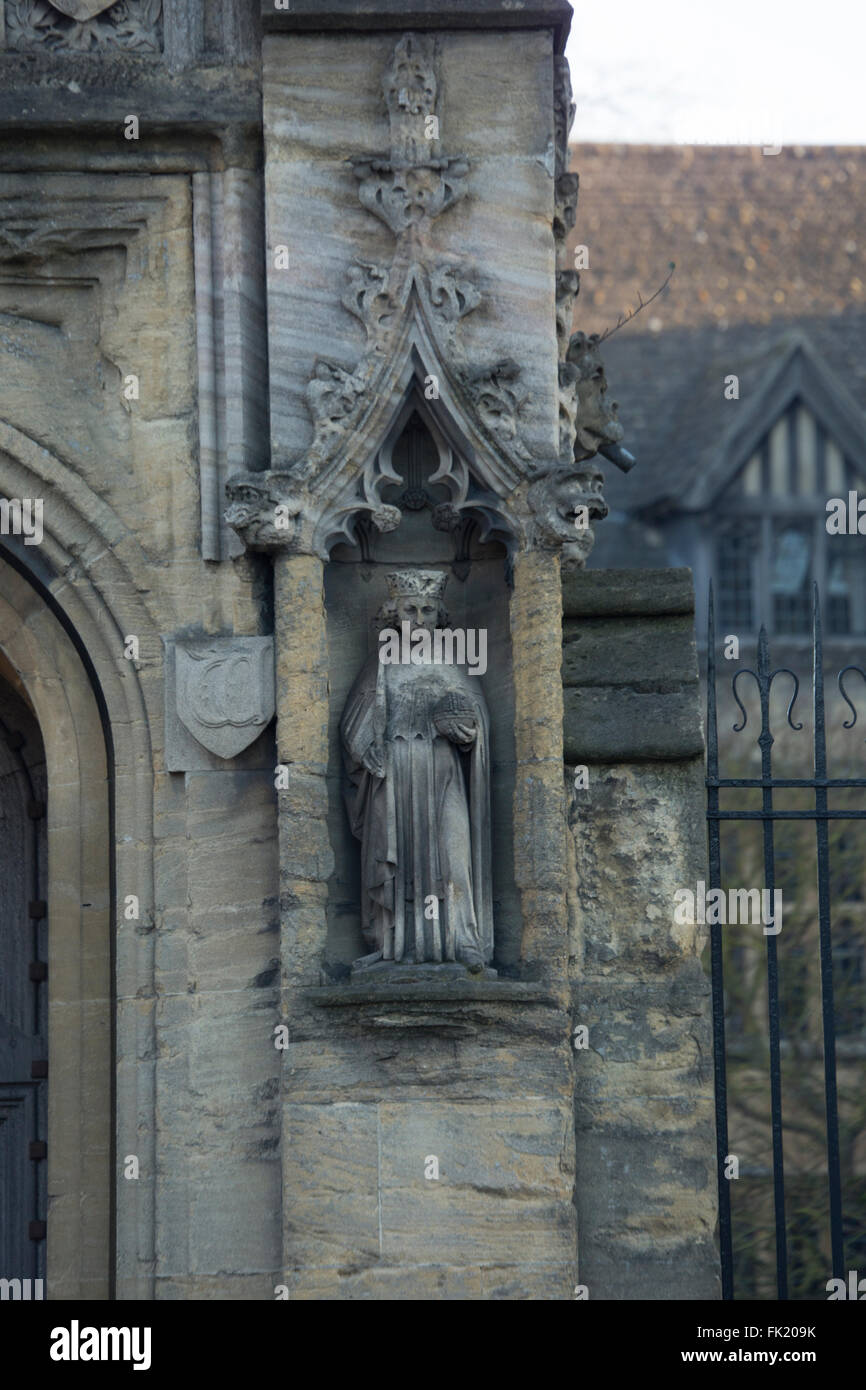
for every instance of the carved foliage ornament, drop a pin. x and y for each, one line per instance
(84, 25)
(338, 398)
(319, 497)
(414, 184)
(413, 305)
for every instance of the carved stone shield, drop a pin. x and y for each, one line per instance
(225, 690)
(82, 9)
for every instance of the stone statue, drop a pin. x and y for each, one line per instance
(416, 741)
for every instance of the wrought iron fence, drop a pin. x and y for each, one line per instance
(821, 814)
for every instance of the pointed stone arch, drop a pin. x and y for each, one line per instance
(476, 481)
(66, 605)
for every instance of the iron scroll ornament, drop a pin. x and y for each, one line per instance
(848, 723)
(764, 678)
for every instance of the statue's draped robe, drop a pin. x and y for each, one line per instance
(424, 828)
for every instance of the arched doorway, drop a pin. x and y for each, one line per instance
(66, 605)
(56, 1072)
(23, 984)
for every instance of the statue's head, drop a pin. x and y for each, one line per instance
(415, 596)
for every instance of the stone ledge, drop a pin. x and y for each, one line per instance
(419, 14)
(451, 992)
(626, 593)
(207, 101)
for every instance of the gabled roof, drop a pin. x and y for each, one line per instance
(794, 372)
(688, 439)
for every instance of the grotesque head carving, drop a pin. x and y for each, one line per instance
(565, 205)
(596, 420)
(262, 510)
(565, 502)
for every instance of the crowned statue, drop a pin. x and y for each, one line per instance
(416, 742)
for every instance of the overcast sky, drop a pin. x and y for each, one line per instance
(752, 72)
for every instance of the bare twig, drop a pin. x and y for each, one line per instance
(641, 304)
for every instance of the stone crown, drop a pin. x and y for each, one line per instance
(416, 583)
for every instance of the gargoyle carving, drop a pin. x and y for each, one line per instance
(564, 502)
(597, 425)
(263, 509)
(270, 512)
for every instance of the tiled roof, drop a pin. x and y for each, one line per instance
(767, 248)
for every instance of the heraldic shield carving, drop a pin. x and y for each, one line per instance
(225, 691)
(82, 9)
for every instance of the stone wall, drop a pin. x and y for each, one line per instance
(148, 260)
(644, 1122)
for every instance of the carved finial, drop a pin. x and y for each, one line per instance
(563, 112)
(414, 184)
(409, 88)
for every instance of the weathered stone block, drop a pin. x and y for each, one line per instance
(504, 1189)
(644, 1119)
(610, 724)
(331, 1171)
(624, 593)
(649, 654)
